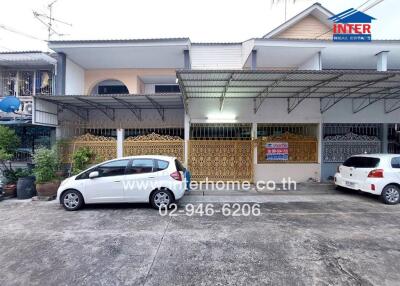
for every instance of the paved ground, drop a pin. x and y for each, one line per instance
(334, 239)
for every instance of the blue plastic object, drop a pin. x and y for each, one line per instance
(10, 104)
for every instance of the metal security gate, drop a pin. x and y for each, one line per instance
(221, 152)
(341, 141)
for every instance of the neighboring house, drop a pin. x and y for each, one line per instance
(23, 75)
(322, 100)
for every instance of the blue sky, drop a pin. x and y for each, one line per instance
(201, 20)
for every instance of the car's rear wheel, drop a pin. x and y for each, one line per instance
(391, 195)
(72, 200)
(161, 198)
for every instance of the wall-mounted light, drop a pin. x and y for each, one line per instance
(221, 118)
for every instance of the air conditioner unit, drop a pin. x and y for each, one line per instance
(27, 109)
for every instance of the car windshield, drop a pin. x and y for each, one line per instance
(361, 162)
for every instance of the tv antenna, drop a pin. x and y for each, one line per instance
(48, 20)
(285, 3)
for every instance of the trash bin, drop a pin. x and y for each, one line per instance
(26, 188)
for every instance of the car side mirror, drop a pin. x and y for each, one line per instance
(94, 174)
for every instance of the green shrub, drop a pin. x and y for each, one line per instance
(81, 159)
(46, 164)
(9, 143)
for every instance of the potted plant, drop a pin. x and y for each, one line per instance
(9, 142)
(25, 184)
(46, 166)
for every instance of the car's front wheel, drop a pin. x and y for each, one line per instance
(391, 195)
(72, 200)
(161, 198)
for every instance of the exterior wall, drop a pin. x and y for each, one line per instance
(308, 28)
(296, 172)
(342, 112)
(130, 77)
(74, 79)
(271, 111)
(314, 63)
(216, 56)
(125, 119)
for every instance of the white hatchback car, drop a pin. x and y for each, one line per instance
(158, 180)
(378, 174)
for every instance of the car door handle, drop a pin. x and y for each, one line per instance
(151, 177)
(117, 181)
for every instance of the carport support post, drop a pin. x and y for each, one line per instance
(186, 138)
(120, 142)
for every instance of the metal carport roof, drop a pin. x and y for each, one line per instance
(107, 104)
(364, 87)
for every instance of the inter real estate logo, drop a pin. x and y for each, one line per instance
(352, 26)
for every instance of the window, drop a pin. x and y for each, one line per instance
(396, 162)
(362, 162)
(44, 82)
(114, 168)
(167, 88)
(112, 89)
(140, 166)
(161, 165)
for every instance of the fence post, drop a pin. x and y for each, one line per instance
(120, 142)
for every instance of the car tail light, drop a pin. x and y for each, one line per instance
(372, 187)
(177, 176)
(338, 169)
(377, 173)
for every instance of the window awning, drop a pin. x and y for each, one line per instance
(13, 59)
(329, 86)
(108, 104)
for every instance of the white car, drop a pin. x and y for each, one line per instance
(158, 180)
(378, 174)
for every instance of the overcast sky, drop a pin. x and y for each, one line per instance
(201, 20)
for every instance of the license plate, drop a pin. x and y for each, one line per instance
(350, 184)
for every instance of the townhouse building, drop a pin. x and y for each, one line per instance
(292, 103)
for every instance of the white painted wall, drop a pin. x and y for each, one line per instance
(342, 112)
(313, 63)
(271, 111)
(74, 78)
(216, 56)
(277, 172)
(125, 119)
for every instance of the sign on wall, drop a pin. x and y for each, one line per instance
(277, 151)
(352, 26)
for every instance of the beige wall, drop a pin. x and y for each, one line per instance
(308, 28)
(130, 77)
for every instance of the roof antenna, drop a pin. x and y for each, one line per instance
(285, 5)
(50, 21)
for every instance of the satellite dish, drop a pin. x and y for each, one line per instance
(10, 104)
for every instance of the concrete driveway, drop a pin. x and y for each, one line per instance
(342, 239)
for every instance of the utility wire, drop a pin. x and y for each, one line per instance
(9, 29)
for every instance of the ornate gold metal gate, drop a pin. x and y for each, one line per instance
(221, 160)
(169, 148)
